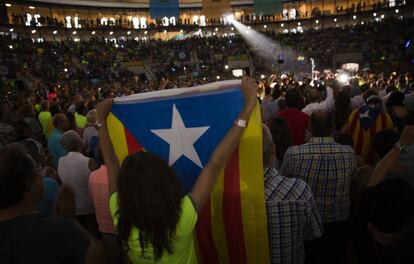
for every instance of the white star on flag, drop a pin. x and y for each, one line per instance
(181, 139)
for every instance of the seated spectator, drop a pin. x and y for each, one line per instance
(292, 216)
(328, 169)
(61, 123)
(25, 236)
(74, 170)
(298, 121)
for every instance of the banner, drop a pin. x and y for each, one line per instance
(267, 7)
(216, 9)
(232, 227)
(164, 8)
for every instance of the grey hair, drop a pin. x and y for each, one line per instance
(91, 117)
(70, 140)
(267, 144)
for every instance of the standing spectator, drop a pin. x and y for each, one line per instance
(396, 109)
(90, 134)
(51, 95)
(74, 170)
(282, 138)
(269, 105)
(292, 216)
(325, 104)
(328, 168)
(61, 124)
(342, 109)
(76, 99)
(25, 236)
(364, 123)
(298, 121)
(45, 119)
(99, 193)
(80, 117)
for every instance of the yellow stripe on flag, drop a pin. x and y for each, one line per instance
(117, 135)
(252, 191)
(217, 224)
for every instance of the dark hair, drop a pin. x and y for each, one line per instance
(81, 108)
(383, 141)
(364, 88)
(390, 88)
(276, 92)
(54, 109)
(389, 206)
(342, 108)
(396, 98)
(322, 123)
(22, 128)
(293, 98)
(268, 90)
(368, 93)
(344, 139)
(149, 199)
(17, 173)
(281, 135)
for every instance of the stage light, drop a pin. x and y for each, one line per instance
(362, 23)
(216, 29)
(282, 25)
(230, 18)
(218, 77)
(343, 78)
(317, 21)
(55, 32)
(382, 16)
(262, 76)
(10, 47)
(226, 67)
(354, 17)
(129, 33)
(335, 20)
(181, 31)
(397, 11)
(265, 26)
(11, 30)
(232, 28)
(93, 33)
(298, 23)
(165, 31)
(145, 32)
(374, 14)
(65, 70)
(32, 7)
(74, 32)
(8, 5)
(111, 33)
(248, 27)
(33, 31)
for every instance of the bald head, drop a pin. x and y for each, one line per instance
(322, 123)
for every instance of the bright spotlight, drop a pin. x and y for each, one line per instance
(230, 18)
(93, 33)
(65, 70)
(317, 21)
(32, 7)
(397, 11)
(74, 32)
(111, 33)
(382, 16)
(181, 31)
(374, 14)
(282, 25)
(226, 67)
(10, 47)
(343, 78)
(8, 5)
(335, 19)
(145, 32)
(298, 23)
(216, 29)
(232, 28)
(265, 26)
(354, 17)
(55, 32)
(33, 31)
(218, 77)
(362, 23)
(129, 33)
(262, 76)
(11, 30)
(165, 31)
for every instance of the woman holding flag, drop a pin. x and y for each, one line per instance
(155, 224)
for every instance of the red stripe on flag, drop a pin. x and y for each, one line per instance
(205, 240)
(354, 122)
(132, 143)
(358, 144)
(232, 216)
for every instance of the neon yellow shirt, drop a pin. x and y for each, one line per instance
(45, 119)
(80, 120)
(183, 246)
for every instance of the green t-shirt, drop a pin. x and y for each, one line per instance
(45, 119)
(80, 120)
(183, 246)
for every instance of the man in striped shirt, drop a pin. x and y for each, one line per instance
(292, 216)
(328, 168)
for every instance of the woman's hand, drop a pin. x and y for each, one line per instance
(249, 90)
(103, 109)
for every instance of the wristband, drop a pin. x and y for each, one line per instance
(240, 123)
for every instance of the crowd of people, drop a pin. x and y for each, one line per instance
(337, 156)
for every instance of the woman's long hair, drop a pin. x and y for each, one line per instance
(149, 199)
(282, 137)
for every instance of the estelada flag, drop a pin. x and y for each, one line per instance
(183, 126)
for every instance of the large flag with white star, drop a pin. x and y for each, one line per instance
(183, 126)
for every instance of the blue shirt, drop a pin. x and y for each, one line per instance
(50, 190)
(56, 150)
